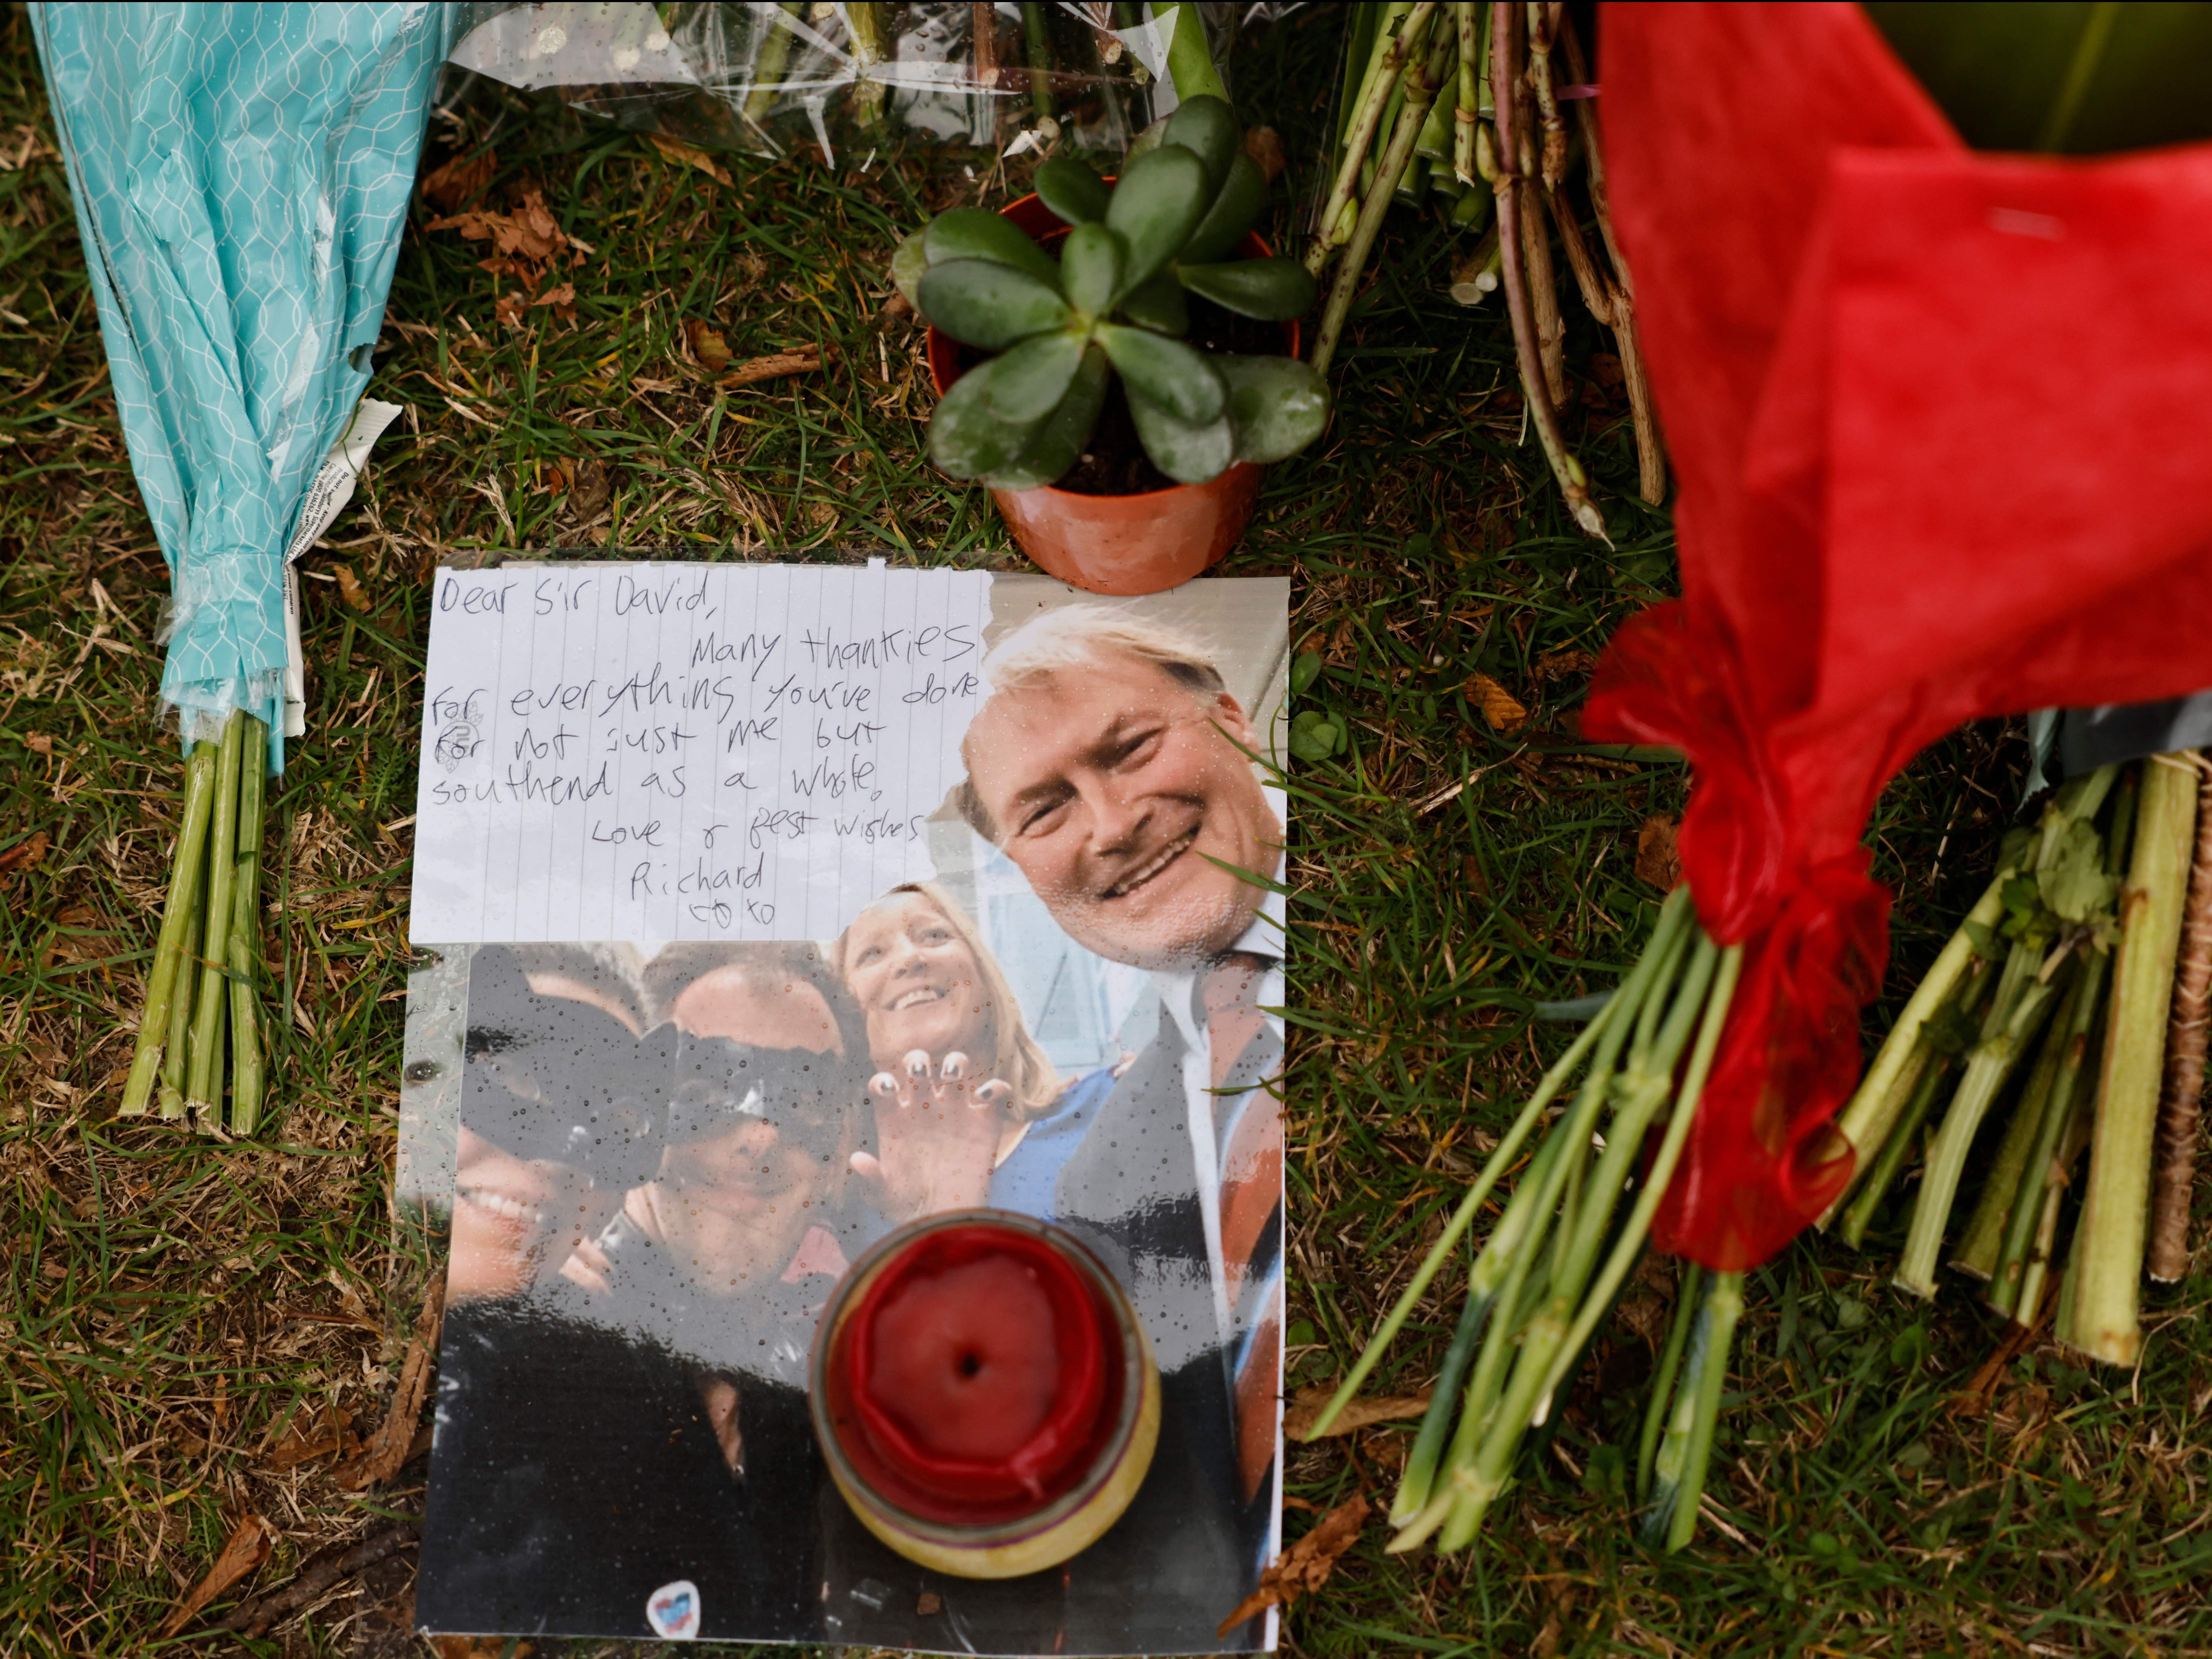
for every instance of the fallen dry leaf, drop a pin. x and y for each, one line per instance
(40, 744)
(460, 180)
(564, 295)
(689, 156)
(1557, 665)
(1305, 1408)
(388, 1446)
(1306, 1564)
(246, 1549)
(754, 369)
(1656, 859)
(1265, 146)
(708, 345)
(478, 1647)
(349, 588)
(593, 484)
(25, 855)
(326, 1436)
(1499, 707)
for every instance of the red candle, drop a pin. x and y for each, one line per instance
(979, 1382)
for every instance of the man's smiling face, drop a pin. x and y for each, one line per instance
(1110, 786)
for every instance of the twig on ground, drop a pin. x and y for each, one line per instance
(390, 1447)
(257, 1616)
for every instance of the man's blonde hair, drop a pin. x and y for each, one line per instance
(1072, 637)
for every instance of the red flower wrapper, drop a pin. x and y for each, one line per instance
(1942, 422)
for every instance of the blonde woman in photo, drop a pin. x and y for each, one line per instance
(969, 1111)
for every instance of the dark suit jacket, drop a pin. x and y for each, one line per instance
(575, 1473)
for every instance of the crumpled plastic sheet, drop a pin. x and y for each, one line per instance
(848, 78)
(241, 174)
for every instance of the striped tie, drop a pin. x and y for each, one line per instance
(1246, 1053)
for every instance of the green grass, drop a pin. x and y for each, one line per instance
(173, 1306)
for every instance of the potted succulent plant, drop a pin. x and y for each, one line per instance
(1121, 437)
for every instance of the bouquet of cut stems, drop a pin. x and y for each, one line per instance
(2071, 1004)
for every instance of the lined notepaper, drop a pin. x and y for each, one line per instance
(666, 752)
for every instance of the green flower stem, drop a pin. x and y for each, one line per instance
(1976, 1254)
(2034, 1275)
(1423, 75)
(1681, 1470)
(1598, 1301)
(869, 41)
(1867, 1119)
(185, 997)
(2075, 1023)
(177, 917)
(247, 1075)
(1548, 1345)
(203, 1083)
(769, 62)
(1607, 1019)
(1467, 16)
(1656, 1412)
(1903, 1140)
(1986, 1072)
(2109, 1238)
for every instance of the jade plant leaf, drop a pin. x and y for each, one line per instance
(1090, 262)
(1235, 209)
(1028, 382)
(967, 438)
(1058, 442)
(977, 234)
(1167, 373)
(990, 306)
(1073, 190)
(910, 265)
(1270, 290)
(1158, 305)
(1158, 202)
(1207, 128)
(1189, 451)
(1277, 405)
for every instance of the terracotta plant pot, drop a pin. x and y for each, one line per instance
(983, 1393)
(1120, 544)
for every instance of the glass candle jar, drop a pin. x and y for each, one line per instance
(984, 1394)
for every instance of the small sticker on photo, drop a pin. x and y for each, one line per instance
(673, 1610)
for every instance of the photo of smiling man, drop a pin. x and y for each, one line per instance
(1115, 768)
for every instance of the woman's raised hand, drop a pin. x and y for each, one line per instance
(937, 1131)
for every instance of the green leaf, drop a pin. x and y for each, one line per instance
(1158, 202)
(2073, 881)
(966, 437)
(1179, 380)
(1235, 209)
(1277, 405)
(1158, 305)
(1073, 190)
(1314, 736)
(1305, 671)
(1091, 263)
(1188, 452)
(1028, 383)
(1986, 942)
(1146, 141)
(1270, 290)
(2079, 79)
(1207, 128)
(990, 306)
(977, 234)
(909, 264)
(1058, 443)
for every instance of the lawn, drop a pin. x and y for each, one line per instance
(190, 1331)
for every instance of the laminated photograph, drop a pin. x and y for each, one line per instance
(845, 1043)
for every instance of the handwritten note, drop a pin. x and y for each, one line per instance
(668, 751)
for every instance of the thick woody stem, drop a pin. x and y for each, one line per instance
(2174, 1168)
(1650, 458)
(1543, 413)
(1544, 292)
